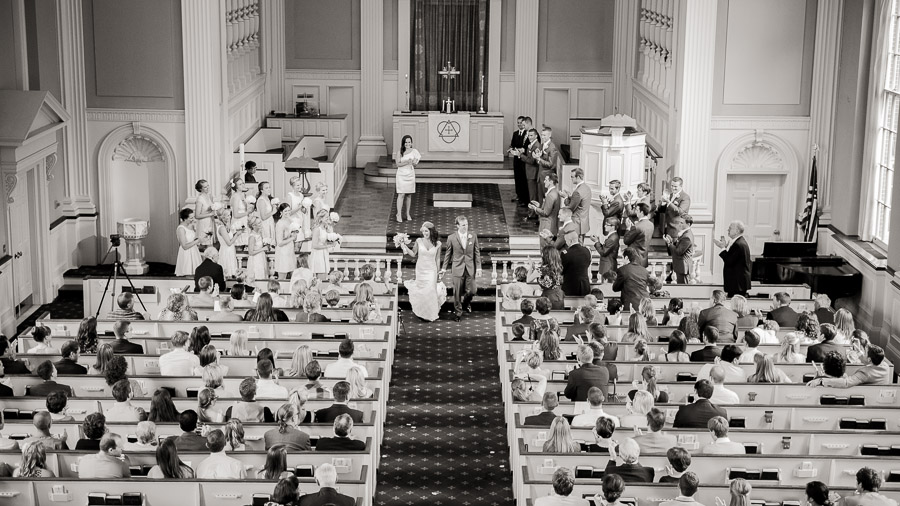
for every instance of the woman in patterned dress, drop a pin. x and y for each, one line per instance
(266, 210)
(204, 213)
(239, 210)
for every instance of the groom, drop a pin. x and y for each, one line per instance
(463, 248)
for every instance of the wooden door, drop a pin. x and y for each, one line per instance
(20, 242)
(755, 199)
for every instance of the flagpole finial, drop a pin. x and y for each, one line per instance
(815, 149)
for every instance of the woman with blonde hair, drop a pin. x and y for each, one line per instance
(312, 309)
(239, 211)
(238, 343)
(745, 318)
(560, 438)
(178, 308)
(790, 350)
(302, 356)
(287, 433)
(358, 388)
(284, 238)
(257, 263)
(637, 409)
(548, 341)
(213, 377)
(206, 401)
(648, 376)
(766, 372)
(365, 295)
(227, 253)
(533, 376)
(104, 356)
(519, 390)
(637, 329)
(843, 323)
(34, 462)
(298, 397)
(740, 493)
(646, 309)
(234, 436)
(318, 256)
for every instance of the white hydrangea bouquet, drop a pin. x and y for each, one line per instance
(216, 206)
(295, 226)
(275, 201)
(401, 238)
(335, 217)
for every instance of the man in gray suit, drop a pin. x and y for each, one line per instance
(579, 201)
(548, 212)
(463, 249)
(681, 247)
(551, 159)
(675, 203)
(640, 233)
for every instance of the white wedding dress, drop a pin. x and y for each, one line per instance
(423, 292)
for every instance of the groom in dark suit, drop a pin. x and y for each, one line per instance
(463, 249)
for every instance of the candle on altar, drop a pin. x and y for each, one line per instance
(241, 150)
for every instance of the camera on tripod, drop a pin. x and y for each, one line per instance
(115, 240)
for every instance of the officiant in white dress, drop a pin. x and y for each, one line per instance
(425, 295)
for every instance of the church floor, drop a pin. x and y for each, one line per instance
(445, 441)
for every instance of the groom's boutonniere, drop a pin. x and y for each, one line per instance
(470, 236)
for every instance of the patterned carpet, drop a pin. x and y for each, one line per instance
(445, 442)
(486, 217)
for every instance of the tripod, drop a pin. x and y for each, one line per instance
(114, 278)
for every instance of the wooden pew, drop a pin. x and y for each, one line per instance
(699, 291)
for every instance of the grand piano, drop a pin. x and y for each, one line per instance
(797, 262)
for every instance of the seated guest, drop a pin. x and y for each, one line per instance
(584, 317)
(603, 431)
(576, 260)
(586, 376)
(559, 439)
(687, 485)
(122, 345)
(332, 297)
(326, 478)
(273, 288)
(248, 409)
(234, 436)
(563, 485)
(265, 311)
(549, 402)
(106, 463)
(209, 357)
(275, 467)
(145, 432)
(789, 353)
(358, 388)
(179, 361)
(752, 338)
(189, 440)
(843, 324)
(287, 491)
(168, 465)
(630, 470)
(720, 317)
(42, 423)
(648, 311)
(42, 337)
(868, 481)
(817, 494)
(637, 328)
(782, 311)
(206, 411)
(343, 428)
(47, 372)
(689, 324)
(697, 414)
(56, 406)
(611, 489)
(674, 312)
(341, 393)
(287, 433)
(721, 395)
(874, 371)
(123, 410)
(859, 345)
(344, 363)
(210, 268)
(648, 378)
(817, 352)
(206, 293)
(518, 332)
(162, 409)
(226, 310)
(600, 355)
(125, 311)
(711, 351)
(808, 327)
(833, 367)
(266, 386)
(177, 309)
(34, 462)
(677, 346)
(314, 375)
(527, 307)
(632, 280)
(117, 369)
(613, 312)
(610, 348)
(679, 461)
(200, 337)
(721, 445)
(219, 466)
(641, 403)
(240, 295)
(728, 361)
(8, 359)
(589, 418)
(746, 318)
(766, 372)
(548, 340)
(531, 373)
(655, 441)
(520, 285)
(69, 362)
(312, 309)
(823, 309)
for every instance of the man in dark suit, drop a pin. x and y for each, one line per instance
(7, 358)
(527, 307)
(326, 478)
(643, 196)
(584, 316)
(341, 394)
(587, 375)
(189, 440)
(579, 201)
(516, 145)
(817, 352)
(341, 442)
(465, 253)
(736, 254)
(631, 471)
(122, 345)
(632, 280)
(824, 311)
(550, 160)
(532, 144)
(681, 247)
(784, 314)
(710, 352)
(545, 417)
(576, 261)
(69, 363)
(614, 205)
(720, 317)
(675, 203)
(608, 246)
(5, 391)
(548, 212)
(640, 233)
(210, 267)
(48, 373)
(698, 414)
(566, 225)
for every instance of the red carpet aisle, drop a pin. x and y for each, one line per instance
(445, 441)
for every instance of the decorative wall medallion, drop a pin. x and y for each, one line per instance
(9, 181)
(49, 162)
(757, 156)
(138, 149)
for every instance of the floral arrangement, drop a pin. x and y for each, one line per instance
(216, 206)
(275, 202)
(546, 234)
(401, 238)
(333, 237)
(306, 202)
(335, 217)
(250, 199)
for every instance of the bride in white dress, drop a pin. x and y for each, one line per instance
(424, 295)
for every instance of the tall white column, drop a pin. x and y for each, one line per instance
(202, 23)
(371, 144)
(824, 89)
(694, 103)
(526, 57)
(74, 99)
(273, 51)
(624, 48)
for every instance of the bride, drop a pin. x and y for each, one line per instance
(424, 295)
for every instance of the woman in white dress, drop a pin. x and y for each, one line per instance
(299, 212)
(204, 213)
(188, 251)
(407, 159)
(318, 257)
(266, 210)
(319, 201)
(424, 296)
(285, 259)
(239, 211)
(227, 255)
(257, 264)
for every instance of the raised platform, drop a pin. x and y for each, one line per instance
(384, 171)
(452, 200)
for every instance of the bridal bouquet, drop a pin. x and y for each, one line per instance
(335, 217)
(401, 238)
(216, 206)
(333, 237)
(295, 227)
(275, 202)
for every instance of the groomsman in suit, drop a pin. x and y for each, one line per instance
(579, 201)
(632, 281)
(641, 232)
(532, 144)
(608, 247)
(515, 148)
(464, 251)
(613, 206)
(675, 203)
(643, 195)
(551, 159)
(549, 210)
(566, 225)
(736, 254)
(681, 247)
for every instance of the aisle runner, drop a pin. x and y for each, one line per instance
(445, 442)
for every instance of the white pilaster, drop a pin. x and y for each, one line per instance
(78, 163)
(273, 51)
(371, 144)
(824, 88)
(694, 104)
(527, 12)
(204, 47)
(624, 42)
(492, 81)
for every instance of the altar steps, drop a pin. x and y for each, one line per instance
(384, 171)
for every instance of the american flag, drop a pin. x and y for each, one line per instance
(809, 218)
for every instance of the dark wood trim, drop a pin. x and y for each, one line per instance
(4, 259)
(62, 219)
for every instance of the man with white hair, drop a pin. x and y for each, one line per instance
(343, 428)
(824, 311)
(736, 254)
(631, 471)
(210, 267)
(326, 478)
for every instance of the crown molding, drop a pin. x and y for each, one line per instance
(132, 115)
(762, 122)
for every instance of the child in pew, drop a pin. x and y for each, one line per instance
(247, 409)
(526, 307)
(518, 332)
(674, 312)
(335, 278)
(34, 462)
(563, 485)
(679, 462)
